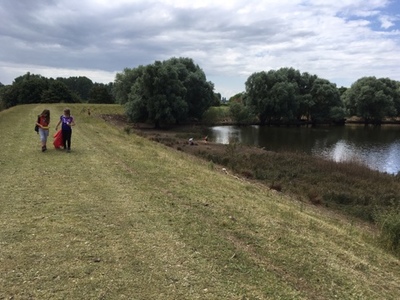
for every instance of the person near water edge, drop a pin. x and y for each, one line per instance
(66, 121)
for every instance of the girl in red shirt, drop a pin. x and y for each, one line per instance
(43, 123)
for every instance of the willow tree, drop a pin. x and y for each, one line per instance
(169, 92)
(372, 99)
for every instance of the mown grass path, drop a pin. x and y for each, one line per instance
(121, 217)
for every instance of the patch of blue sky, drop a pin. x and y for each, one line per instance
(381, 22)
(392, 11)
(383, 19)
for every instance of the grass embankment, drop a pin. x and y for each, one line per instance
(123, 217)
(348, 187)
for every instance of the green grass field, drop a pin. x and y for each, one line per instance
(121, 217)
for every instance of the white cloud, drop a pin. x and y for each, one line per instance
(11, 71)
(386, 22)
(337, 40)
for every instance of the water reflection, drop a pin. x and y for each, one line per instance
(377, 147)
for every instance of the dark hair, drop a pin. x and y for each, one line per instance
(67, 112)
(46, 114)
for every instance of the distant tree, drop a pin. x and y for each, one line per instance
(158, 96)
(337, 114)
(372, 99)
(257, 92)
(392, 88)
(100, 93)
(110, 89)
(237, 98)
(124, 82)
(8, 96)
(397, 100)
(2, 104)
(283, 101)
(342, 90)
(30, 88)
(304, 97)
(240, 113)
(217, 100)
(273, 95)
(58, 92)
(286, 95)
(81, 86)
(327, 104)
(167, 92)
(31, 91)
(199, 93)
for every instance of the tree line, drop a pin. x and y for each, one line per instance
(289, 96)
(33, 88)
(176, 90)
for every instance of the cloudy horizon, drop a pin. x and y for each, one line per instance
(341, 41)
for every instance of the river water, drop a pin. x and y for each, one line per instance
(376, 147)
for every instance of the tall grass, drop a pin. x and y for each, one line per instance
(389, 223)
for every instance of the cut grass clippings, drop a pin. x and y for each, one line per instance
(121, 217)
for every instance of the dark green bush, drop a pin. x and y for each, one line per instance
(339, 198)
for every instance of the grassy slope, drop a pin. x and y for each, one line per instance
(122, 217)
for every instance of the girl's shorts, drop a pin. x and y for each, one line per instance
(43, 134)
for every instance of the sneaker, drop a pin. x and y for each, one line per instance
(44, 148)
(68, 150)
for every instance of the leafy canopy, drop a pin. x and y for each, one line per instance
(165, 92)
(373, 98)
(287, 95)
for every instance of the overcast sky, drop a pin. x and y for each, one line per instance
(339, 40)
